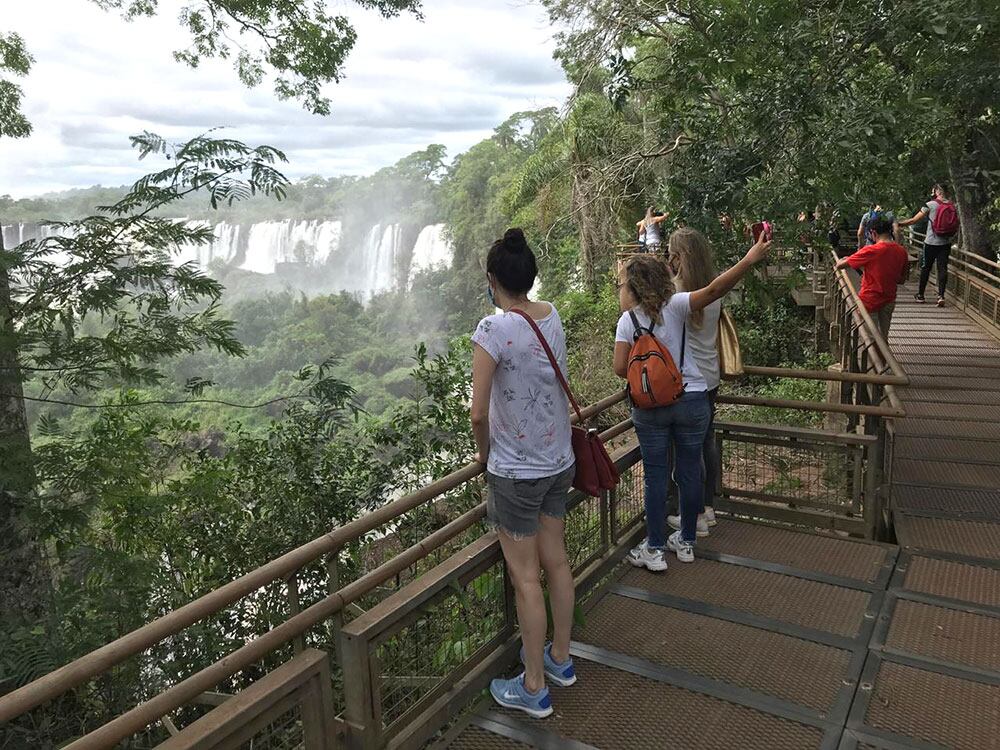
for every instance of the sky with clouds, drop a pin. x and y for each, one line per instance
(97, 79)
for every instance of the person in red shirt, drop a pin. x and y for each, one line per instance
(886, 264)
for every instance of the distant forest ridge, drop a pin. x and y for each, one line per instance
(408, 185)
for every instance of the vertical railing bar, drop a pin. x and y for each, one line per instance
(295, 607)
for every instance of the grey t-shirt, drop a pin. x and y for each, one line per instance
(529, 412)
(931, 238)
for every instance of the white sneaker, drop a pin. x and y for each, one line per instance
(650, 559)
(709, 515)
(684, 550)
(701, 525)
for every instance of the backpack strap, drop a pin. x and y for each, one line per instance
(638, 327)
(552, 360)
(684, 335)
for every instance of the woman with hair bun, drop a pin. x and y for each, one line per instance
(520, 420)
(647, 298)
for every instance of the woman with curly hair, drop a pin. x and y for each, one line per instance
(647, 297)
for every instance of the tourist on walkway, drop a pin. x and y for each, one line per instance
(520, 419)
(649, 227)
(690, 261)
(942, 226)
(886, 265)
(866, 235)
(647, 298)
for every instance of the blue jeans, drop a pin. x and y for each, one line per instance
(712, 462)
(684, 424)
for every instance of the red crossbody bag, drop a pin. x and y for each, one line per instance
(595, 471)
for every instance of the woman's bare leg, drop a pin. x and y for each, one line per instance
(559, 576)
(522, 564)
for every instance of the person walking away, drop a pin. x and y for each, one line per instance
(690, 261)
(886, 265)
(520, 421)
(942, 226)
(651, 307)
(650, 224)
(865, 234)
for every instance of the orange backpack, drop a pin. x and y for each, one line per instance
(653, 378)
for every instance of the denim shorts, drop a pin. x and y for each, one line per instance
(514, 505)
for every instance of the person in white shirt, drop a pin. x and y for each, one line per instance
(520, 420)
(647, 291)
(691, 263)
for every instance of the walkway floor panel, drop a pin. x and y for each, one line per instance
(956, 502)
(946, 634)
(931, 707)
(617, 708)
(809, 604)
(950, 396)
(793, 669)
(946, 473)
(947, 428)
(959, 451)
(966, 538)
(948, 579)
(822, 554)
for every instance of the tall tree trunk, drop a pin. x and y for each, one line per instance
(24, 579)
(970, 199)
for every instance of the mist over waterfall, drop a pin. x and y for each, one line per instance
(380, 259)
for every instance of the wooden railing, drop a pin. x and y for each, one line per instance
(409, 641)
(973, 282)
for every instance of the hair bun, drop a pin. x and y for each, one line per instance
(514, 240)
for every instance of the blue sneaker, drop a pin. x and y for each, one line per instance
(512, 694)
(563, 674)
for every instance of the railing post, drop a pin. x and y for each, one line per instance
(294, 608)
(319, 729)
(361, 705)
(332, 585)
(873, 483)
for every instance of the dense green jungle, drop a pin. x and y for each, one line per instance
(166, 430)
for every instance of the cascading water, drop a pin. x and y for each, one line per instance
(365, 268)
(430, 251)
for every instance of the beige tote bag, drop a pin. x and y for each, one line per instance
(730, 359)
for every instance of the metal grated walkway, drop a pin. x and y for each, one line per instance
(783, 639)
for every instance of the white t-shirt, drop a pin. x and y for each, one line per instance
(670, 333)
(704, 345)
(529, 412)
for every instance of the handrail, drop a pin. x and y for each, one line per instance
(101, 659)
(188, 689)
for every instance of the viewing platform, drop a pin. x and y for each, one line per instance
(849, 597)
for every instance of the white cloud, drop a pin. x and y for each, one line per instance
(97, 79)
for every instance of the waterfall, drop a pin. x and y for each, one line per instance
(376, 264)
(431, 250)
(272, 242)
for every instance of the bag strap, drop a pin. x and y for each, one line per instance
(552, 360)
(684, 335)
(637, 327)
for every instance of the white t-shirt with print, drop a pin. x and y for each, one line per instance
(670, 332)
(529, 412)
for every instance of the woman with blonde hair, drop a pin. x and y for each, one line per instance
(650, 305)
(692, 266)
